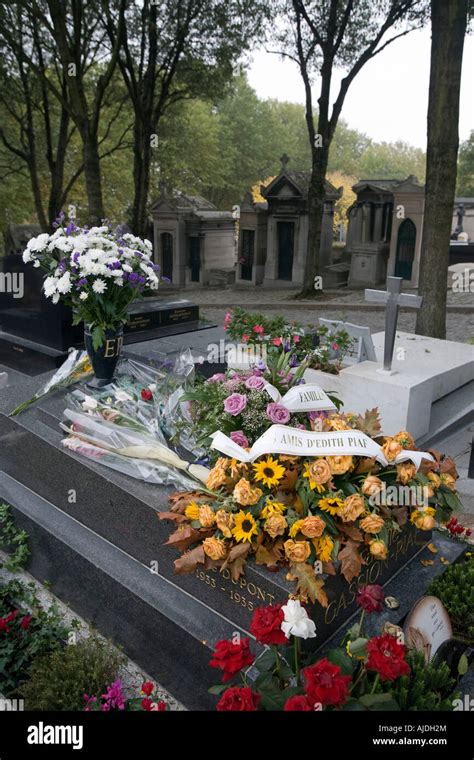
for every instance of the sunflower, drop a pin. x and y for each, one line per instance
(312, 484)
(324, 547)
(245, 527)
(331, 504)
(192, 511)
(269, 472)
(295, 528)
(272, 508)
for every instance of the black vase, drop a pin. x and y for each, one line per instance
(104, 359)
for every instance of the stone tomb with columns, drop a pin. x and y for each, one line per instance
(273, 233)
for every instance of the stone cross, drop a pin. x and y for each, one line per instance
(284, 160)
(393, 298)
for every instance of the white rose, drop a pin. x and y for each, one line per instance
(296, 621)
(89, 404)
(123, 396)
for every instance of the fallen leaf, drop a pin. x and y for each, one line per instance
(329, 568)
(444, 561)
(351, 531)
(179, 501)
(432, 548)
(236, 560)
(370, 422)
(351, 561)
(175, 516)
(184, 537)
(427, 562)
(309, 585)
(190, 560)
(365, 465)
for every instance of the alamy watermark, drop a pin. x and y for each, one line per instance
(12, 282)
(401, 496)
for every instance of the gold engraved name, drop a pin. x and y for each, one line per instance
(113, 346)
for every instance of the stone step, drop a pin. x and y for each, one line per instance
(449, 414)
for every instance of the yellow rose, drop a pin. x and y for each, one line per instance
(391, 449)
(406, 471)
(192, 511)
(216, 478)
(435, 479)
(337, 423)
(405, 439)
(378, 549)
(424, 519)
(214, 548)
(275, 525)
(246, 495)
(320, 472)
(449, 481)
(297, 551)
(353, 507)
(372, 523)
(324, 547)
(207, 516)
(313, 526)
(372, 486)
(339, 465)
(225, 522)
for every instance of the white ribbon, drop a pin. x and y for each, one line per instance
(307, 397)
(281, 439)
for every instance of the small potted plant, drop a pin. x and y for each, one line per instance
(98, 274)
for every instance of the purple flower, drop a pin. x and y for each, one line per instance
(219, 377)
(255, 383)
(81, 282)
(114, 265)
(278, 413)
(235, 404)
(70, 228)
(317, 415)
(239, 438)
(114, 697)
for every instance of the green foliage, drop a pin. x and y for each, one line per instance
(428, 687)
(58, 681)
(13, 539)
(455, 588)
(23, 640)
(465, 186)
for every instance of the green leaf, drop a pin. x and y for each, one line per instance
(266, 682)
(379, 702)
(266, 661)
(353, 705)
(358, 647)
(218, 688)
(341, 658)
(463, 665)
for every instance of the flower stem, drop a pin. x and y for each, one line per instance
(297, 660)
(376, 682)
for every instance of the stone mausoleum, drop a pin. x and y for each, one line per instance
(273, 233)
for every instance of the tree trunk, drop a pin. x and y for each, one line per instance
(448, 28)
(93, 178)
(316, 196)
(56, 167)
(36, 189)
(141, 177)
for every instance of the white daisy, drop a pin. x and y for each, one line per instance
(84, 296)
(99, 286)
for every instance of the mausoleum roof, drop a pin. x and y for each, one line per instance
(181, 202)
(300, 180)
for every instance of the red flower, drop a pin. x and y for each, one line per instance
(25, 623)
(238, 699)
(266, 625)
(276, 341)
(3, 626)
(325, 685)
(146, 704)
(370, 598)
(298, 703)
(160, 707)
(147, 688)
(231, 658)
(387, 657)
(11, 616)
(146, 394)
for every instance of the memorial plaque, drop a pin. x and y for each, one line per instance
(428, 626)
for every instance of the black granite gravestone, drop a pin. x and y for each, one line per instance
(35, 334)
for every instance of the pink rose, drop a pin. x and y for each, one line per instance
(235, 404)
(276, 341)
(245, 338)
(258, 329)
(296, 338)
(255, 383)
(278, 413)
(219, 377)
(239, 438)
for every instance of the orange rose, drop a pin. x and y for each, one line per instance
(391, 449)
(275, 525)
(353, 507)
(246, 495)
(372, 523)
(372, 486)
(297, 551)
(225, 522)
(339, 464)
(207, 516)
(405, 439)
(320, 472)
(214, 548)
(378, 549)
(217, 477)
(425, 522)
(313, 526)
(406, 471)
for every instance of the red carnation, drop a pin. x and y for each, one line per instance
(160, 706)
(266, 625)
(370, 598)
(146, 704)
(147, 688)
(325, 685)
(387, 657)
(25, 623)
(146, 394)
(298, 703)
(3, 626)
(231, 658)
(11, 616)
(238, 699)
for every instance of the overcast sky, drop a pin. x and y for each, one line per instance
(388, 100)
